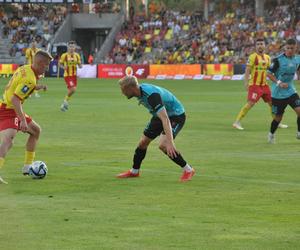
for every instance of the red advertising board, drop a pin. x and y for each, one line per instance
(120, 70)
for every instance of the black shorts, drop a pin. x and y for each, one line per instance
(279, 105)
(155, 126)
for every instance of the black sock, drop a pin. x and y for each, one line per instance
(179, 160)
(138, 157)
(298, 123)
(274, 126)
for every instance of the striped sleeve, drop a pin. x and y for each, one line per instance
(251, 59)
(62, 59)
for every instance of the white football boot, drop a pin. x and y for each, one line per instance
(64, 106)
(237, 125)
(3, 181)
(280, 125)
(25, 169)
(271, 138)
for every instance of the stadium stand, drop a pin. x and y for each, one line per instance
(164, 37)
(180, 37)
(21, 23)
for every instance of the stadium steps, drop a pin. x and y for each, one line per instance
(4, 51)
(5, 57)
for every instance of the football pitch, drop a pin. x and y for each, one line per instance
(245, 194)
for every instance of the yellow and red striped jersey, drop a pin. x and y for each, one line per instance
(70, 61)
(259, 65)
(30, 53)
(22, 84)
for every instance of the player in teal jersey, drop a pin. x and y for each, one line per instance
(168, 118)
(281, 73)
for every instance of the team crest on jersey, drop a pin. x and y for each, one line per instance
(25, 89)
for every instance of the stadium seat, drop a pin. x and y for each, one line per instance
(148, 50)
(156, 32)
(186, 27)
(148, 36)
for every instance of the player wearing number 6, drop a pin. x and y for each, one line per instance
(69, 62)
(12, 116)
(257, 86)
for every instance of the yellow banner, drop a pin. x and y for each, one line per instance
(8, 69)
(175, 69)
(218, 69)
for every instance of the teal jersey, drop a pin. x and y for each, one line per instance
(284, 68)
(155, 98)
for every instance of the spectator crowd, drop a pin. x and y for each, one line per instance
(23, 23)
(181, 37)
(164, 36)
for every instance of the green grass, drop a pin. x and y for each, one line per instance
(245, 194)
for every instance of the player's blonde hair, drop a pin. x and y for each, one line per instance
(128, 81)
(44, 54)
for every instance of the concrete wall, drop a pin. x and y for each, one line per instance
(259, 7)
(84, 21)
(64, 32)
(109, 41)
(94, 21)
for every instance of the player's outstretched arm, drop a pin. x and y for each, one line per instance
(246, 77)
(79, 63)
(278, 82)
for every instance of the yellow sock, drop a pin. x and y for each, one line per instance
(29, 157)
(243, 112)
(1, 162)
(67, 98)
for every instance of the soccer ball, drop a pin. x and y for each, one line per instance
(38, 170)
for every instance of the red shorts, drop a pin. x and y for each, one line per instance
(256, 92)
(71, 81)
(9, 119)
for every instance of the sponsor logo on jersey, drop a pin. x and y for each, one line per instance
(25, 89)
